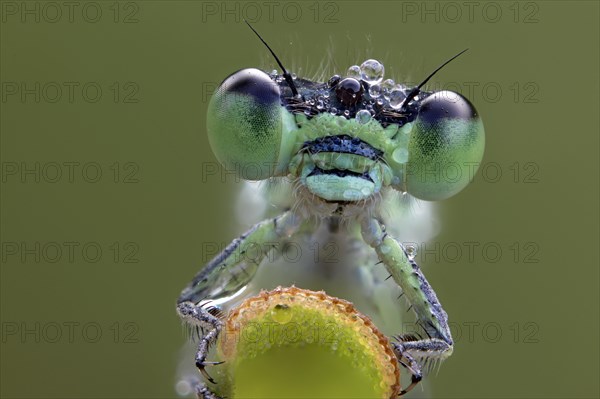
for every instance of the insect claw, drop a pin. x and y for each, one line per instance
(207, 376)
(204, 372)
(214, 363)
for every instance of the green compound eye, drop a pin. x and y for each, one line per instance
(445, 147)
(248, 126)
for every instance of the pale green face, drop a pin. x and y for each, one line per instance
(348, 138)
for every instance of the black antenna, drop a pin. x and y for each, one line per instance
(417, 89)
(286, 75)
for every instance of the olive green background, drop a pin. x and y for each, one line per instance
(534, 318)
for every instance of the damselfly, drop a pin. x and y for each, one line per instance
(339, 156)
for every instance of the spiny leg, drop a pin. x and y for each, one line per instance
(235, 266)
(225, 275)
(197, 316)
(432, 318)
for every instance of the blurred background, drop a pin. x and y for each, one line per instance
(111, 199)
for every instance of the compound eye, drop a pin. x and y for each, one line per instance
(445, 148)
(349, 91)
(244, 124)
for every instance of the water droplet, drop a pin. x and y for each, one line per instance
(375, 91)
(320, 104)
(281, 314)
(411, 251)
(380, 101)
(354, 72)
(371, 71)
(294, 76)
(363, 116)
(400, 155)
(397, 98)
(346, 113)
(333, 111)
(274, 72)
(388, 84)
